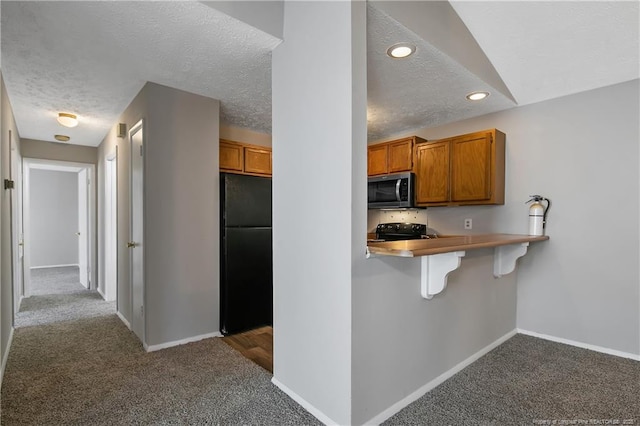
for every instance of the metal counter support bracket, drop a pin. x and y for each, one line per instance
(504, 258)
(435, 268)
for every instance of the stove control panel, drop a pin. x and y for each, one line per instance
(400, 231)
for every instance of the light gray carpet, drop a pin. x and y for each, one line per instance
(95, 372)
(528, 381)
(60, 280)
(57, 295)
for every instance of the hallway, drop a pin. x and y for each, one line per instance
(57, 295)
(73, 361)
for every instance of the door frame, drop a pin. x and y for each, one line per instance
(84, 252)
(29, 164)
(110, 228)
(17, 225)
(141, 334)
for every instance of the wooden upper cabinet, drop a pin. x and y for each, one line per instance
(463, 170)
(377, 159)
(231, 156)
(400, 156)
(391, 157)
(471, 167)
(432, 172)
(241, 158)
(257, 160)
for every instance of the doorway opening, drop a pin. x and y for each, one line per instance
(72, 246)
(59, 241)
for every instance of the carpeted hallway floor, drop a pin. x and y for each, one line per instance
(73, 361)
(57, 295)
(95, 372)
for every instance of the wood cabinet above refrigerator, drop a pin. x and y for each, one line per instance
(242, 158)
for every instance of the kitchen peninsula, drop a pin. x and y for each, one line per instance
(440, 256)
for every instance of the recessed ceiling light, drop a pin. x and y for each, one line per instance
(401, 50)
(67, 120)
(62, 138)
(477, 96)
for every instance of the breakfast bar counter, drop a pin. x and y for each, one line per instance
(439, 256)
(445, 244)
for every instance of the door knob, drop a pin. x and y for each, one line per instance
(131, 244)
(77, 233)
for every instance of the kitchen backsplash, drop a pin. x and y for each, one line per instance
(374, 217)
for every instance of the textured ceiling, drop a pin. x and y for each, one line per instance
(426, 89)
(92, 58)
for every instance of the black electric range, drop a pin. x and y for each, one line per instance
(401, 231)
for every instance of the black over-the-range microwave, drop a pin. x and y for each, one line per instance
(391, 191)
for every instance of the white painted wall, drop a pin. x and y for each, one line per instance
(319, 128)
(54, 218)
(582, 152)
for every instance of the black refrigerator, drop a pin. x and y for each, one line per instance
(246, 260)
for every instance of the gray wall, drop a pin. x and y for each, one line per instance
(54, 217)
(136, 110)
(31, 148)
(582, 152)
(353, 336)
(7, 124)
(182, 228)
(582, 285)
(313, 218)
(181, 212)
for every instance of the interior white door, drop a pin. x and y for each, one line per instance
(136, 242)
(17, 236)
(83, 227)
(111, 229)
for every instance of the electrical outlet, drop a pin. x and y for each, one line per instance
(468, 224)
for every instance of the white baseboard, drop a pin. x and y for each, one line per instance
(123, 319)
(581, 345)
(395, 408)
(55, 266)
(5, 357)
(304, 403)
(152, 348)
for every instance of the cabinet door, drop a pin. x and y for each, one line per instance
(432, 172)
(377, 160)
(471, 167)
(401, 156)
(231, 156)
(257, 160)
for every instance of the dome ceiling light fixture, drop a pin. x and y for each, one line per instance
(62, 138)
(401, 50)
(67, 120)
(477, 96)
